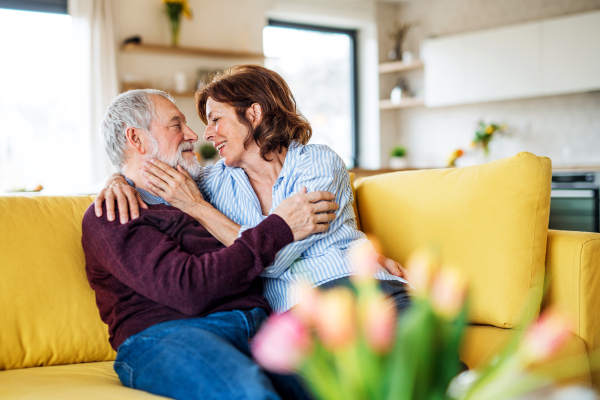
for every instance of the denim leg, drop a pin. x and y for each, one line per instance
(290, 387)
(395, 290)
(182, 360)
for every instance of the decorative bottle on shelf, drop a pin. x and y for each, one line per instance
(399, 91)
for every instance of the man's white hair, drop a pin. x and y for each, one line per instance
(132, 109)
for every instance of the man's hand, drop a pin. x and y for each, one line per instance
(307, 213)
(129, 200)
(394, 267)
(175, 186)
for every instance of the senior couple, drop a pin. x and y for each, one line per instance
(208, 253)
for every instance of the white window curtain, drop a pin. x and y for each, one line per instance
(96, 81)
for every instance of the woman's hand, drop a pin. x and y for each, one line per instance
(128, 199)
(394, 268)
(307, 213)
(175, 186)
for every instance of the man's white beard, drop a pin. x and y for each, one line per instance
(192, 166)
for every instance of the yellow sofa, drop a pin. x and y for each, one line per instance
(489, 220)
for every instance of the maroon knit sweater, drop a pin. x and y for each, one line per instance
(165, 266)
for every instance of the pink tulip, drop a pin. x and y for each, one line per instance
(282, 344)
(448, 292)
(335, 318)
(545, 336)
(379, 323)
(307, 308)
(421, 266)
(364, 262)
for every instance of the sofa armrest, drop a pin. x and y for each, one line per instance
(573, 274)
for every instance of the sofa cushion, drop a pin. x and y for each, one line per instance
(481, 343)
(489, 220)
(49, 314)
(89, 381)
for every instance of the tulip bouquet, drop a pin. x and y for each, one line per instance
(347, 343)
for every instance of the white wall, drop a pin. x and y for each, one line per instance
(565, 128)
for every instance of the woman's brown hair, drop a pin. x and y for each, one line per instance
(243, 85)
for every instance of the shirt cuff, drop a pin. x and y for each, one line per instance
(243, 228)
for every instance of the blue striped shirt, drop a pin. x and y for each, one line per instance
(321, 257)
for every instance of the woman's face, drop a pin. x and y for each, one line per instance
(227, 133)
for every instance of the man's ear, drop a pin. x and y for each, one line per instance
(135, 141)
(254, 114)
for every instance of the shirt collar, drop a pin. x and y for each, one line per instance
(147, 197)
(289, 164)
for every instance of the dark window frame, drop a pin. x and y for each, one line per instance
(352, 33)
(47, 6)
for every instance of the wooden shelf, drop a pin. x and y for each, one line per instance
(191, 93)
(404, 103)
(399, 66)
(188, 51)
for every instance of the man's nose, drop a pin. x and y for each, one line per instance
(189, 135)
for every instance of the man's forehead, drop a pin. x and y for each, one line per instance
(166, 110)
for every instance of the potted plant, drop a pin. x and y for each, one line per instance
(208, 154)
(398, 158)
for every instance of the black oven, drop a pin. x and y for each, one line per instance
(574, 202)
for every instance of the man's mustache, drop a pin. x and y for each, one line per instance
(186, 146)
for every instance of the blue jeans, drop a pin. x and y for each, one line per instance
(395, 290)
(202, 358)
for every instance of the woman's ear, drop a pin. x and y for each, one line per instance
(254, 114)
(135, 141)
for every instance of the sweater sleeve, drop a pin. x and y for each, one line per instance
(154, 265)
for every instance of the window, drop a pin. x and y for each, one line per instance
(319, 64)
(38, 140)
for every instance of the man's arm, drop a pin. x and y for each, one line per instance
(305, 214)
(154, 265)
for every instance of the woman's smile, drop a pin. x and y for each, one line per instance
(220, 146)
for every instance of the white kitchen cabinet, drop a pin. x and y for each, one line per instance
(555, 56)
(444, 71)
(502, 63)
(571, 54)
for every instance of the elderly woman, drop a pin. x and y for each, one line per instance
(252, 120)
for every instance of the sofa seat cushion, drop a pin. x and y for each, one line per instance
(75, 381)
(490, 221)
(49, 314)
(482, 342)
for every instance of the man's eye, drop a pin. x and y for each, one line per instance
(216, 119)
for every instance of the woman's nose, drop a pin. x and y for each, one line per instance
(208, 134)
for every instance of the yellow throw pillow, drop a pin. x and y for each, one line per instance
(49, 314)
(489, 220)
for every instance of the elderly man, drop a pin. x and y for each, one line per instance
(181, 306)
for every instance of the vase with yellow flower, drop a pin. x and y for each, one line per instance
(485, 133)
(175, 9)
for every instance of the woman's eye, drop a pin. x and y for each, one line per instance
(215, 120)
